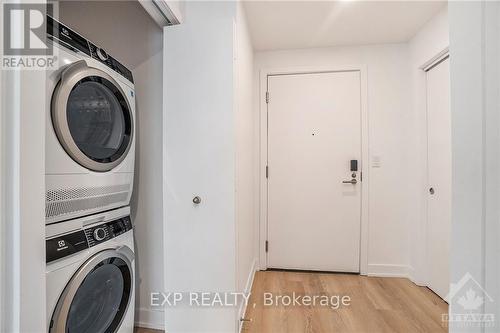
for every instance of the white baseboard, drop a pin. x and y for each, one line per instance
(248, 289)
(412, 275)
(383, 270)
(150, 318)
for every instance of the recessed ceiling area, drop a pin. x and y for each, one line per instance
(276, 25)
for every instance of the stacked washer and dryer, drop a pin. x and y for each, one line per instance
(89, 178)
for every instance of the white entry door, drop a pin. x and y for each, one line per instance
(439, 174)
(314, 131)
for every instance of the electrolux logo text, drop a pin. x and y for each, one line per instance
(24, 34)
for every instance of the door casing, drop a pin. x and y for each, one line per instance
(364, 167)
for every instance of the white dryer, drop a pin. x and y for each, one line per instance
(90, 274)
(90, 124)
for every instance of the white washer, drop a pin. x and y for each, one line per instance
(90, 126)
(90, 274)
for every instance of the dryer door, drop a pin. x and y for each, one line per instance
(91, 117)
(98, 295)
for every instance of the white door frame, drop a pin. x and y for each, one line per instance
(364, 165)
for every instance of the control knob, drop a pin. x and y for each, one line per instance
(99, 234)
(102, 54)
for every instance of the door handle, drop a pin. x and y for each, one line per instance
(353, 182)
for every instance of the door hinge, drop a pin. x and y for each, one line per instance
(267, 97)
(361, 176)
(267, 246)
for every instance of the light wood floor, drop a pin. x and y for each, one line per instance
(377, 305)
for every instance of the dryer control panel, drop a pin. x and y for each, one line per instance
(71, 243)
(72, 40)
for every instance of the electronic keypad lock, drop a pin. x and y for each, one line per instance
(354, 165)
(354, 169)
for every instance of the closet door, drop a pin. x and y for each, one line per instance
(439, 177)
(199, 175)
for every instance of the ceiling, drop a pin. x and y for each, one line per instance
(277, 25)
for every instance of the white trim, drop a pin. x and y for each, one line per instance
(263, 190)
(248, 288)
(413, 277)
(440, 56)
(165, 188)
(388, 270)
(150, 318)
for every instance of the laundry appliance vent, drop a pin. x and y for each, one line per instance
(63, 202)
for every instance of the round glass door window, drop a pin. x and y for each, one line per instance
(101, 300)
(99, 119)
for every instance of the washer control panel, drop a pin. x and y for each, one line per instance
(106, 231)
(100, 234)
(74, 242)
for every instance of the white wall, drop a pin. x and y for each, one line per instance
(389, 109)
(147, 200)
(432, 39)
(127, 33)
(23, 213)
(475, 97)
(245, 158)
(491, 16)
(467, 140)
(4, 301)
(199, 123)
(22, 207)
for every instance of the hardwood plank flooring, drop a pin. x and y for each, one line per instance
(377, 305)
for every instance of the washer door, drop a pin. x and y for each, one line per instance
(98, 295)
(91, 117)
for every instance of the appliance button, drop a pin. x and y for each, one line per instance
(102, 54)
(99, 234)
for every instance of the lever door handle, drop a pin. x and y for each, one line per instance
(353, 181)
